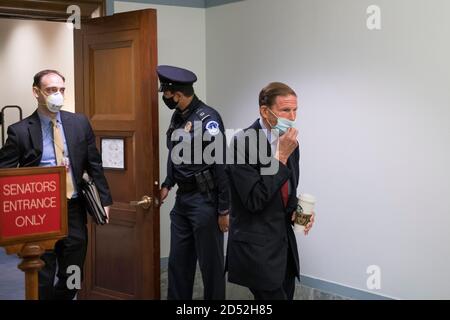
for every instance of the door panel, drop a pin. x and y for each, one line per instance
(116, 87)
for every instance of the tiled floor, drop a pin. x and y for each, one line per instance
(235, 292)
(12, 285)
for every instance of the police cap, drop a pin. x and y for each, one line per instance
(173, 77)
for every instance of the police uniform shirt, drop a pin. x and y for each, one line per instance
(212, 127)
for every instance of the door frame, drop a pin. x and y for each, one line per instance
(49, 10)
(151, 98)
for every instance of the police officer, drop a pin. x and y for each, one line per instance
(200, 215)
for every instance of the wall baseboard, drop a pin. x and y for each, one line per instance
(339, 289)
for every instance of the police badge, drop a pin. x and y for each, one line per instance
(188, 127)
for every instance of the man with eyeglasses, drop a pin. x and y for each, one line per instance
(51, 137)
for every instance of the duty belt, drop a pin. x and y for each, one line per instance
(186, 187)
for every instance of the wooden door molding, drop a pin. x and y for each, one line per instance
(54, 10)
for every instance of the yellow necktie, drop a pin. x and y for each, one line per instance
(59, 148)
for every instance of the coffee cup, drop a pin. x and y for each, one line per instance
(305, 209)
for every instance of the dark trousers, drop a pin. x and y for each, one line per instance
(287, 290)
(70, 251)
(195, 234)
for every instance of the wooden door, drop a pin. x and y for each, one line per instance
(116, 87)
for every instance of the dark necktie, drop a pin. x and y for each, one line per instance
(285, 192)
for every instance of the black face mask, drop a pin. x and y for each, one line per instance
(170, 103)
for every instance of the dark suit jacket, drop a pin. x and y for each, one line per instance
(24, 145)
(261, 231)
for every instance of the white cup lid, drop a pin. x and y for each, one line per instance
(307, 198)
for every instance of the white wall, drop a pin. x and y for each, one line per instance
(374, 127)
(181, 42)
(27, 47)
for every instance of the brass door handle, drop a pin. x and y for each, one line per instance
(145, 203)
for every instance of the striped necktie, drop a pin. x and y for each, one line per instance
(59, 154)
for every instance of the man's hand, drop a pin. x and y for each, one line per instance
(286, 145)
(224, 222)
(107, 213)
(310, 224)
(163, 193)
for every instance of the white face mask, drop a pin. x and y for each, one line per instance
(55, 102)
(283, 124)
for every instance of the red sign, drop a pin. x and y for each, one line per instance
(31, 205)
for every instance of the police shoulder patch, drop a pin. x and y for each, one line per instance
(213, 128)
(201, 114)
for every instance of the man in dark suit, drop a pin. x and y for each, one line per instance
(262, 249)
(51, 137)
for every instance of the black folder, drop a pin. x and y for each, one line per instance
(92, 200)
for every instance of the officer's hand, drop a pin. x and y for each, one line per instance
(224, 222)
(163, 193)
(287, 144)
(310, 224)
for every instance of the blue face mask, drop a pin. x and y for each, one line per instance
(283, 124)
